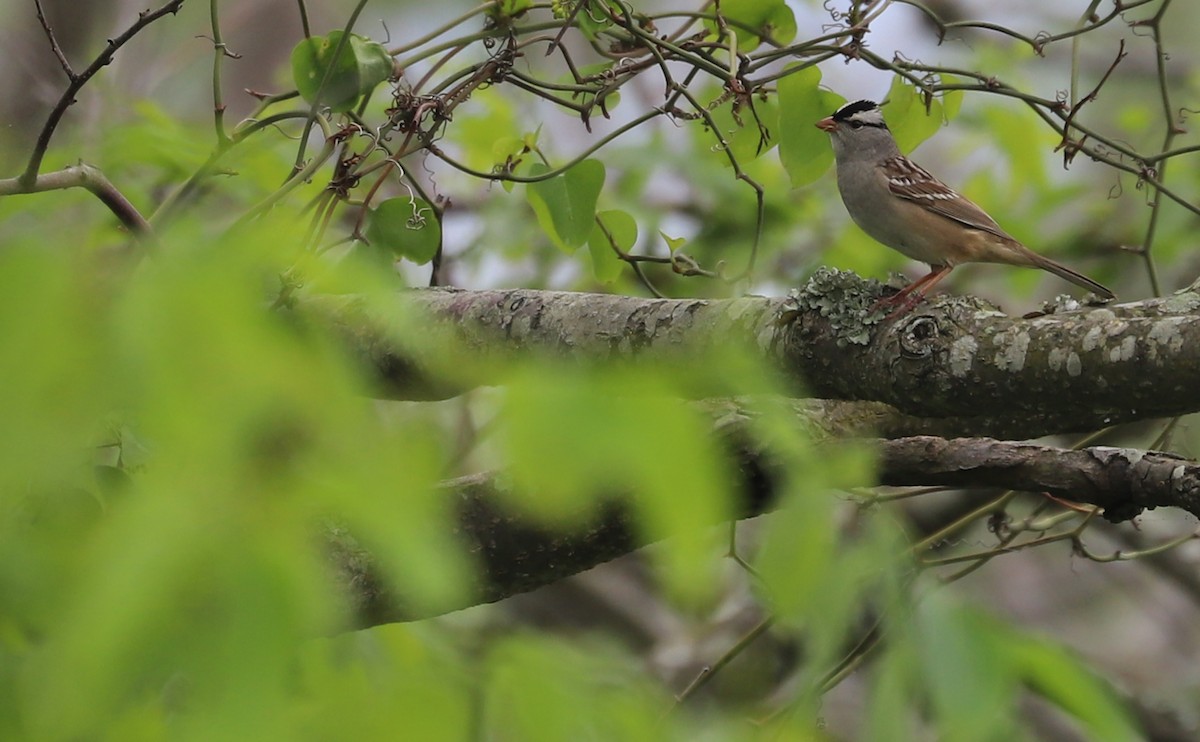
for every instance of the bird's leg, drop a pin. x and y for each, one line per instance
(909, 296)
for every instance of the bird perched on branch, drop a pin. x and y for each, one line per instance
(898, 203)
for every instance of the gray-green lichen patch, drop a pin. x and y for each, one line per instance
(1012, 347)
(1057, 358)
(1165, 334)
(1124, 350)
(843, 299)
(1185, 302)
(962, 355)
(1074, 364)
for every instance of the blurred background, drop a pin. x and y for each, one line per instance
(1135, 620)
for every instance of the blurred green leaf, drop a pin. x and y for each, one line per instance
(769, 19)
(907, 117)
(803, 148)
(893, 703)
(487, 128)
(407, 226)
(367, 685)
(576, 440)
(54, 362)
(750, 132)
(613, 228)
(536, 691)
(510, 8)
(951, 99)
(812, 580)
(355, 72)
(566, 203)
(964, 663)
(1023, 142)
(1064, 679)
(155, 138)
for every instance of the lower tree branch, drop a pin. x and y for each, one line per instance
(515, 555)
(1123, 481)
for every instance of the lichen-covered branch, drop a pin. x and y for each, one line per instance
(954, 358)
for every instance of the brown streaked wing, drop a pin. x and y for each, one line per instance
(910, 181)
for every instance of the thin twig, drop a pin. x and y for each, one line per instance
(77, 81)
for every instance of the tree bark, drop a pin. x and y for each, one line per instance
(954, 360)
(952, 367)
(514, 555)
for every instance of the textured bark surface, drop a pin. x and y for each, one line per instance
(955, 359)
(950, 368)
(515, 556)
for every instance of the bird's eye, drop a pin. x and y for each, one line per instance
(856, 124)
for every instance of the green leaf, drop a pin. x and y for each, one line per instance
(486, 129)
(752, 132)
(1064, 680)
(951, 99)
(622, 231)
(509, 8)
(547, 689)
(771, 19)
(802, 533)
(1021, 137)
(566, 203)
(361, 66)
(803, 148)
(522, 163)
(964, 660)
(406, 226)
(673, 243)
(577, 440)
(907, 117)
(591, 19)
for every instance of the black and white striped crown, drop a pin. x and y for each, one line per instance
(861, 112)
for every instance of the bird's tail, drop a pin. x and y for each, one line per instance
(1063, 272)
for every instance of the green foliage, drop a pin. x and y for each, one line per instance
(534, 686)
(748, 128)
(368, 685)
(803, 148)
(488, 130)
(614, 229)
(974, 667)
(203, 563)
(565, 203)
(339, 70)
(406, 226)
(912, 116)
(575, 441)
(509, 9)
(752, 21)
(181, 455)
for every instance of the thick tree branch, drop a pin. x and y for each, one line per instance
(953, 358)
(515, 555)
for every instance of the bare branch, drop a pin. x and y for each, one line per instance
(83, 176)
(145, 18)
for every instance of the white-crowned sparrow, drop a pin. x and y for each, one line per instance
(898, 203)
